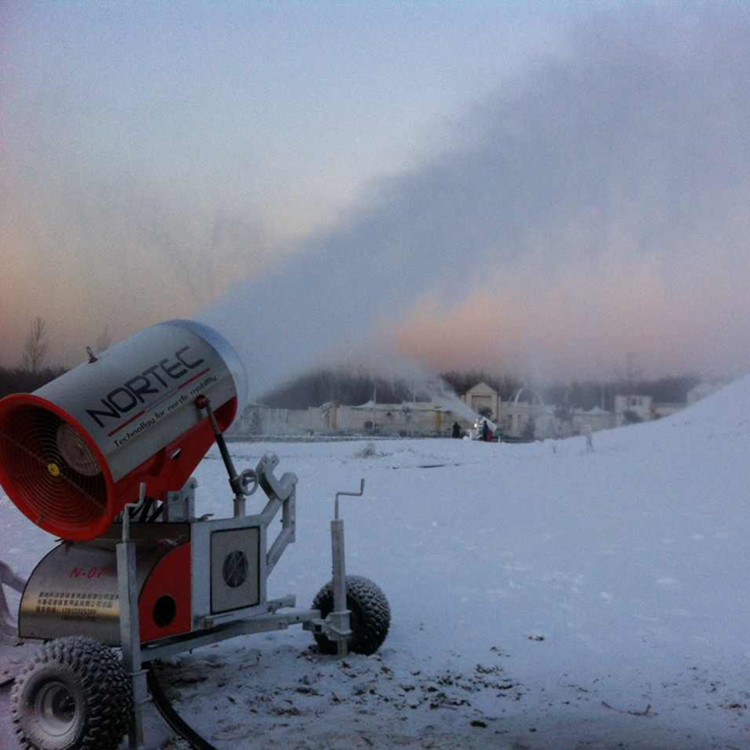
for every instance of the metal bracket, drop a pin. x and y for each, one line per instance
(179, 507)
(271, 607)
(282, 488)
(8, 625)
(282, 495)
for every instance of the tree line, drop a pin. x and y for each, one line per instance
(345, 386)
(352, 387)
(20, 380)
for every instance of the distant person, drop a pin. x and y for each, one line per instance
(486, 431)
(456, 430)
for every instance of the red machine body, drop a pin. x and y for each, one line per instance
(75, 452)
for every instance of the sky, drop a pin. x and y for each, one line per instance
(543, 188)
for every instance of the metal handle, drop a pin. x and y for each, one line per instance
(348, 494)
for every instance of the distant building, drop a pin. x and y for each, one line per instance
(330, 419)
(416, 418)
(629, 409)
(527, 416)
(481, 398)
(594, 420)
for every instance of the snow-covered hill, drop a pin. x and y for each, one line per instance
(542, 597)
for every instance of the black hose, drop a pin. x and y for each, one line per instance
(166, 709)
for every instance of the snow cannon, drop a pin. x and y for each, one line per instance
(76, 451)
(102, 457)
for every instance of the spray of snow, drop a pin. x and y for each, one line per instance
(632, 147)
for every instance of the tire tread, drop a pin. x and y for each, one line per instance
(105, 686)
(373, 613)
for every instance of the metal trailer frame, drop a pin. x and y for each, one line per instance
(210, 628)
(230, 561)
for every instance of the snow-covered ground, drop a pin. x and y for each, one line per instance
(542, 597)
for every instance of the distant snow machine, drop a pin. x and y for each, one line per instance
(484, 429)
(102, 457)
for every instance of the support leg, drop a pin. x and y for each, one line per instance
(130, 638)
(339, 618)
(8, 628)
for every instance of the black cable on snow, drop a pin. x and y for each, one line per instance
(166, 709)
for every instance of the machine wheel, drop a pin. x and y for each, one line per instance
(370, 615)
(73, 695)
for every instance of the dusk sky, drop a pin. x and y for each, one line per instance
(536, 187)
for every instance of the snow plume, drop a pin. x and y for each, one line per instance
(424, 384)
(628, 153)
(430, 386)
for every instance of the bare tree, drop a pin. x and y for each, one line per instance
(35, 347)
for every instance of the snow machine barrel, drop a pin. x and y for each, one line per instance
(74, 452)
